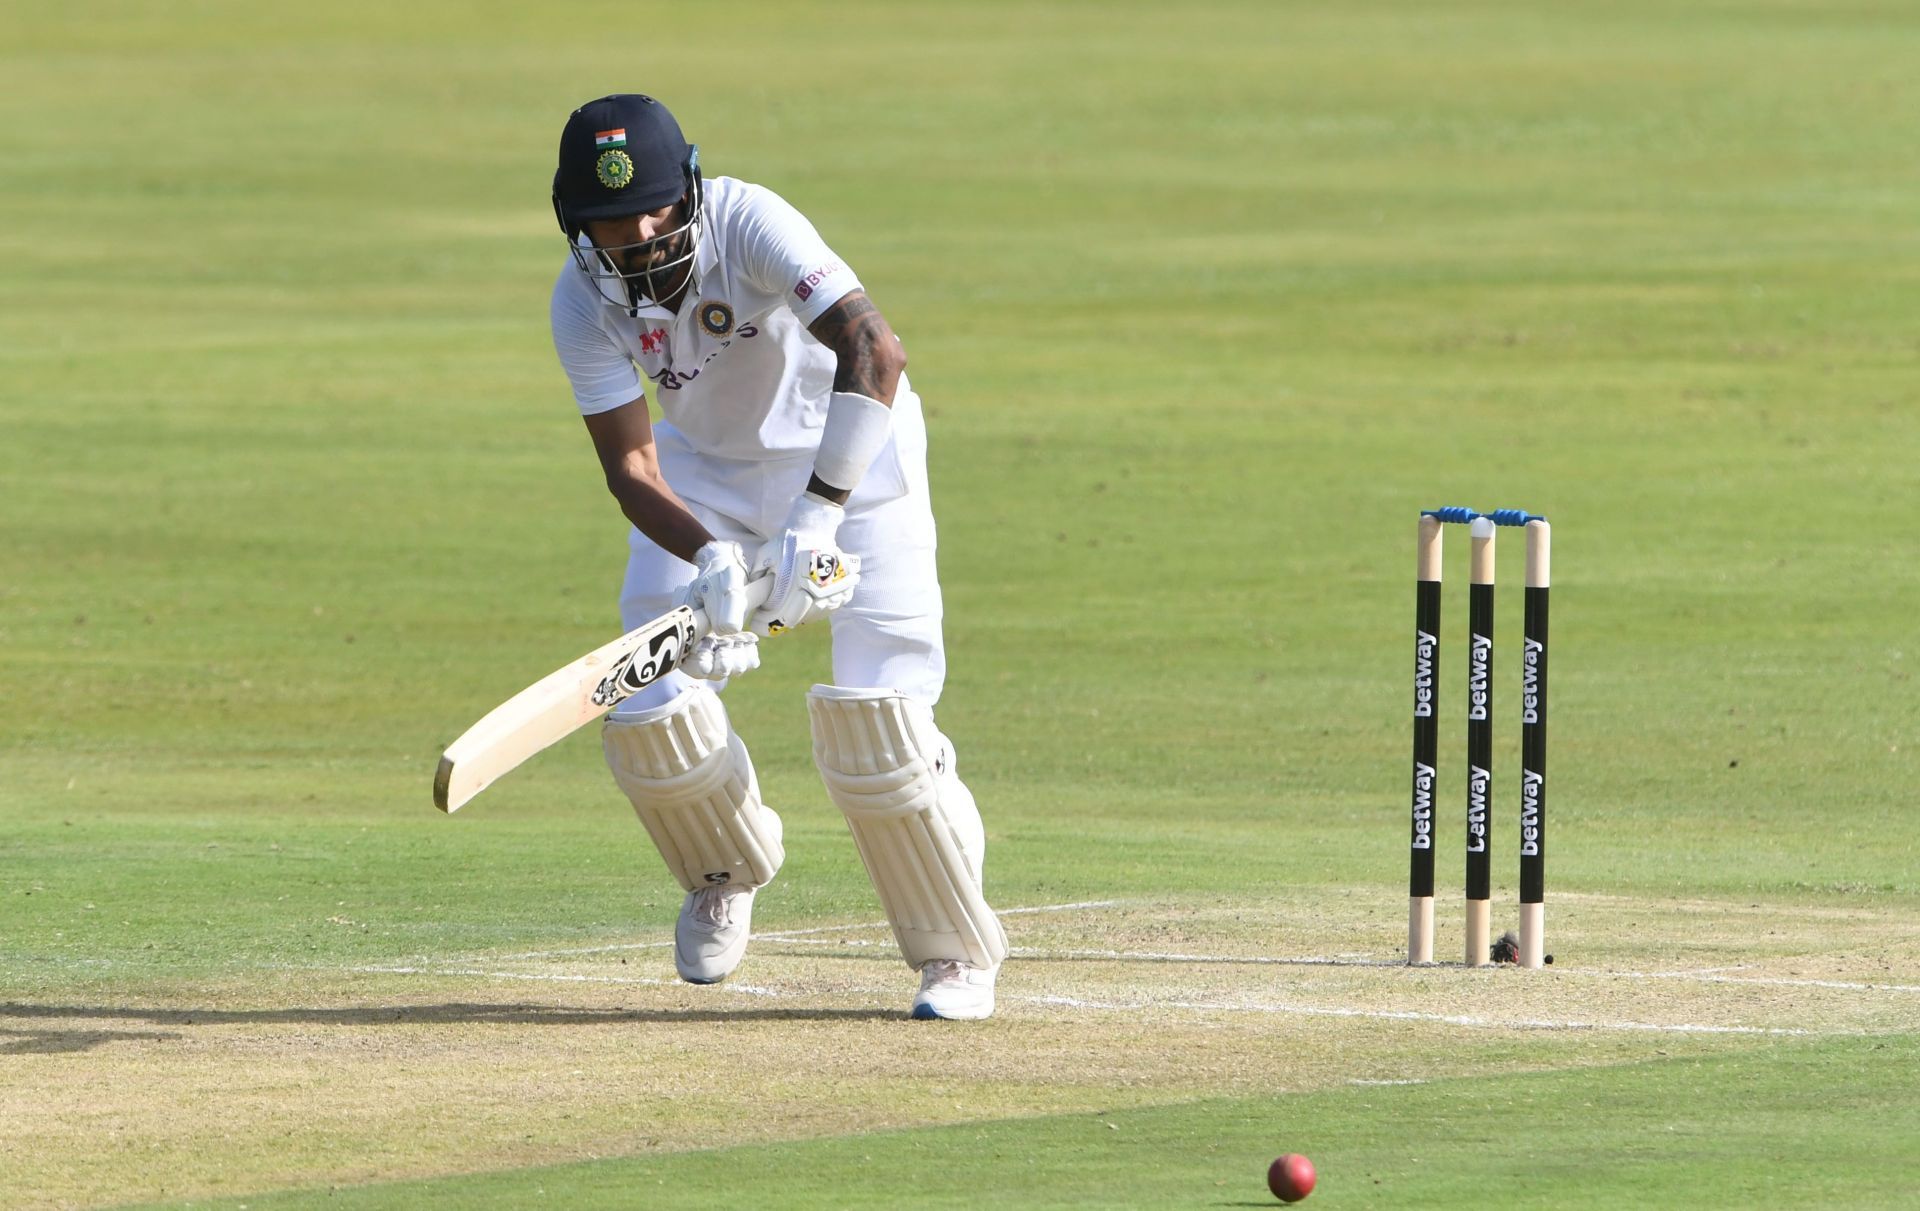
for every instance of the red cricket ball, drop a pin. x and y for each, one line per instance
(1290, 1177)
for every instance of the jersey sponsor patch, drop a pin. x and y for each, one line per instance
(669, 379)
(804, 287)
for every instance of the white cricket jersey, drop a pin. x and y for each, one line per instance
(735, 371)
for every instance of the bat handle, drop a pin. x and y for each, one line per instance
(758, 590)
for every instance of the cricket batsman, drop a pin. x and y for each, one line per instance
(791, 447)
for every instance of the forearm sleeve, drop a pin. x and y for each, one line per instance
(856, 431)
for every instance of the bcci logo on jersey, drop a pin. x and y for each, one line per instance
(716, 318)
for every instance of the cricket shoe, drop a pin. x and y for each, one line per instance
(711, 936)
(954, 991)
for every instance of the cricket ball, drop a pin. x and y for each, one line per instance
(1290, 1177)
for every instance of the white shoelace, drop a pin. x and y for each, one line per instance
(710, 907)
(942, 971)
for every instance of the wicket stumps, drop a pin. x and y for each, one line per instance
(1480, 703)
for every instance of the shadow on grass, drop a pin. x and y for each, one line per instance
(1028, 954)
(52, 1041)
(60, 1042)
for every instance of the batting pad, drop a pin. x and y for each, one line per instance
(890, 772)
(692, 785)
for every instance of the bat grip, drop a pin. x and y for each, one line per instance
(758, 590)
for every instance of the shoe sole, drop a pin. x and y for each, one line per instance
(927, 1013)
(680, 970)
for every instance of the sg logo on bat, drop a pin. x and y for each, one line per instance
(646, 664)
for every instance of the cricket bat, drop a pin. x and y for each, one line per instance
(567, 699)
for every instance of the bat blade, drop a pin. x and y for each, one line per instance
(561, 703)
(569, 698)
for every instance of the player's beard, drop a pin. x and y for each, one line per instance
(663, 285)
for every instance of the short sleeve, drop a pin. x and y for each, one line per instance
(779, 251)
(602, 374)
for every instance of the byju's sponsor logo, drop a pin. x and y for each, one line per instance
(804, 287)
(670, 379)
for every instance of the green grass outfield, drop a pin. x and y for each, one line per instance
(1629, 1135)
(1205, 302)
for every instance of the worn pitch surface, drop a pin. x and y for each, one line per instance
(323, 1076)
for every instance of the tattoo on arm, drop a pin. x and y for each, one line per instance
(870, 356)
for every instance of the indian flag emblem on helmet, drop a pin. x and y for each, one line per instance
(610, 138)
(614, 169)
